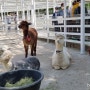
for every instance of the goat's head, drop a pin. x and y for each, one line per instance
(59, 38)
(59, 41)
(24, 25)
(5, 56)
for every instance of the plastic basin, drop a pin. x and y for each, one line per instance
(14, 76)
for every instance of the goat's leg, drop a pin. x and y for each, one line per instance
(26, 50)
(35, 45)
(32, 48)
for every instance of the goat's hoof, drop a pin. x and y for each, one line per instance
(64, 68)
(56, 67)
(33, 54)
(25, 57)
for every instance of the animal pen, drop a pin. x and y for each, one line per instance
(39, 12)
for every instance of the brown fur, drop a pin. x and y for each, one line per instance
(29, 37)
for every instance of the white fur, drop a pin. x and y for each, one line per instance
(60, 59)
(5, 59)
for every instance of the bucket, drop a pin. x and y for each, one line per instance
(14, 76)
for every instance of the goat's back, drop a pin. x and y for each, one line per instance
(33, 33)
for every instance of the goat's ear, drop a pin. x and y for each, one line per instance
(30, 23)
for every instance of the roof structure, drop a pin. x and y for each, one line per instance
(11, 5)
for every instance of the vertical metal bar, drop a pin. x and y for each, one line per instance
(82, 27)
(17, 19)
(23, 11)
(54, 5)
(65, 21)
(27, 13)
(47, 19)
(1, 13)
(32, 13)
(5, 20)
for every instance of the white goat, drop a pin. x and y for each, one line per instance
(61, 57)
(5, 58)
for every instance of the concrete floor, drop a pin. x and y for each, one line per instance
(76, 77)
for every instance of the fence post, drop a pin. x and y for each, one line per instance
(47, 19)
(82, 27)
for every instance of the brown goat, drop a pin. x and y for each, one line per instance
(29, 37)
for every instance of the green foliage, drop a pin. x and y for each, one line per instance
(50, 10)
(87, 5)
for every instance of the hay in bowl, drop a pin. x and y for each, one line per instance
(21, 82)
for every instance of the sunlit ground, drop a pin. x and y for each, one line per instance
(76, 77)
